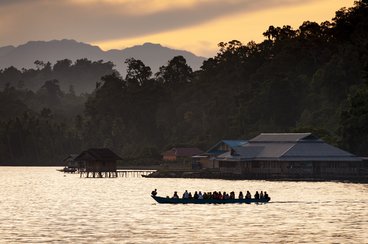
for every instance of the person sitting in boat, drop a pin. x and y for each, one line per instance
(266, 195)
(190, 195)
(205, 196)
(154, 193)
(200, 196)
(175, 195)
(185, 194)
(261, 195)
(241, 195)
(248, 195)
(195, 196)
(232, 195)
(256, 196)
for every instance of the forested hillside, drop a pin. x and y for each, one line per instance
(80, 76)
(313, 78)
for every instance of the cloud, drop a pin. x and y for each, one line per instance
(99, 20)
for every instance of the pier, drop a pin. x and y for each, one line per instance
(115, 174)
(134, 173)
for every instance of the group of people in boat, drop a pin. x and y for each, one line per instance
(217, 195)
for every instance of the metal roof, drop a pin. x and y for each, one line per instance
(182, 151)
(315, 149)
(100, 154)
(283, 137)
(288, 147)
(230, 143)
(234, 143)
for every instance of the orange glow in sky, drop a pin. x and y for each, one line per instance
(193, 25)
(203, 39)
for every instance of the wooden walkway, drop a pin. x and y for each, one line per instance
(118, 173)
(134, 173)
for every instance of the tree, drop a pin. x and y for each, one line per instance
(137, 72)
(354, 123)
(176, 72)
(51, 93)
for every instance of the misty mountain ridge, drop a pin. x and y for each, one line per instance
(153, 55)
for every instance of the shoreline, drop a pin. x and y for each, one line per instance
(221, 176)
(229, 176)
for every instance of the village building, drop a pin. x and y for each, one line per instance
(180, 157)
(207, 160)
(180, 153)
(98, 162)
(290, 155)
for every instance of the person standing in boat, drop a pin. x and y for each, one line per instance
(154, 193)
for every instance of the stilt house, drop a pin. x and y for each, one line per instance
(98, 160)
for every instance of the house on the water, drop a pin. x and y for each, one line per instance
(290, 155)
(180, 153)
(98, 162)
(207, 160)
(180, 157)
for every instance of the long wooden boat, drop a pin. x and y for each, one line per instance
(67, 170)
(207, 201)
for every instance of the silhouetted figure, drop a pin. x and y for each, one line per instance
(200, 196)
(185, 194)
(190, 195)
(266, 196)
(241, 195)
(195, 195)
(175, 195)
(256, 196)
(248, 195)
(154, 193)
(261, 195)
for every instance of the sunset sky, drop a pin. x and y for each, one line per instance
(194, 25)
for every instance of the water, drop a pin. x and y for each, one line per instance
(41, 205)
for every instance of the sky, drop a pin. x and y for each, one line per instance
(193, 25)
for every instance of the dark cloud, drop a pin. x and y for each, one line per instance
(43, 20)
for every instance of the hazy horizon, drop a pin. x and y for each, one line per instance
(196, 26)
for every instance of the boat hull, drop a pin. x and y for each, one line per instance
(207, 201)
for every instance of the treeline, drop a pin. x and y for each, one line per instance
(312, 79)
(79, 77)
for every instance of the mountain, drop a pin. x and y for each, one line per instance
(153, 55)
(5, 50)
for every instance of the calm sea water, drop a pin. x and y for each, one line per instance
(41, 205)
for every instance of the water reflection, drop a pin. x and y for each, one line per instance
(41, 205)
